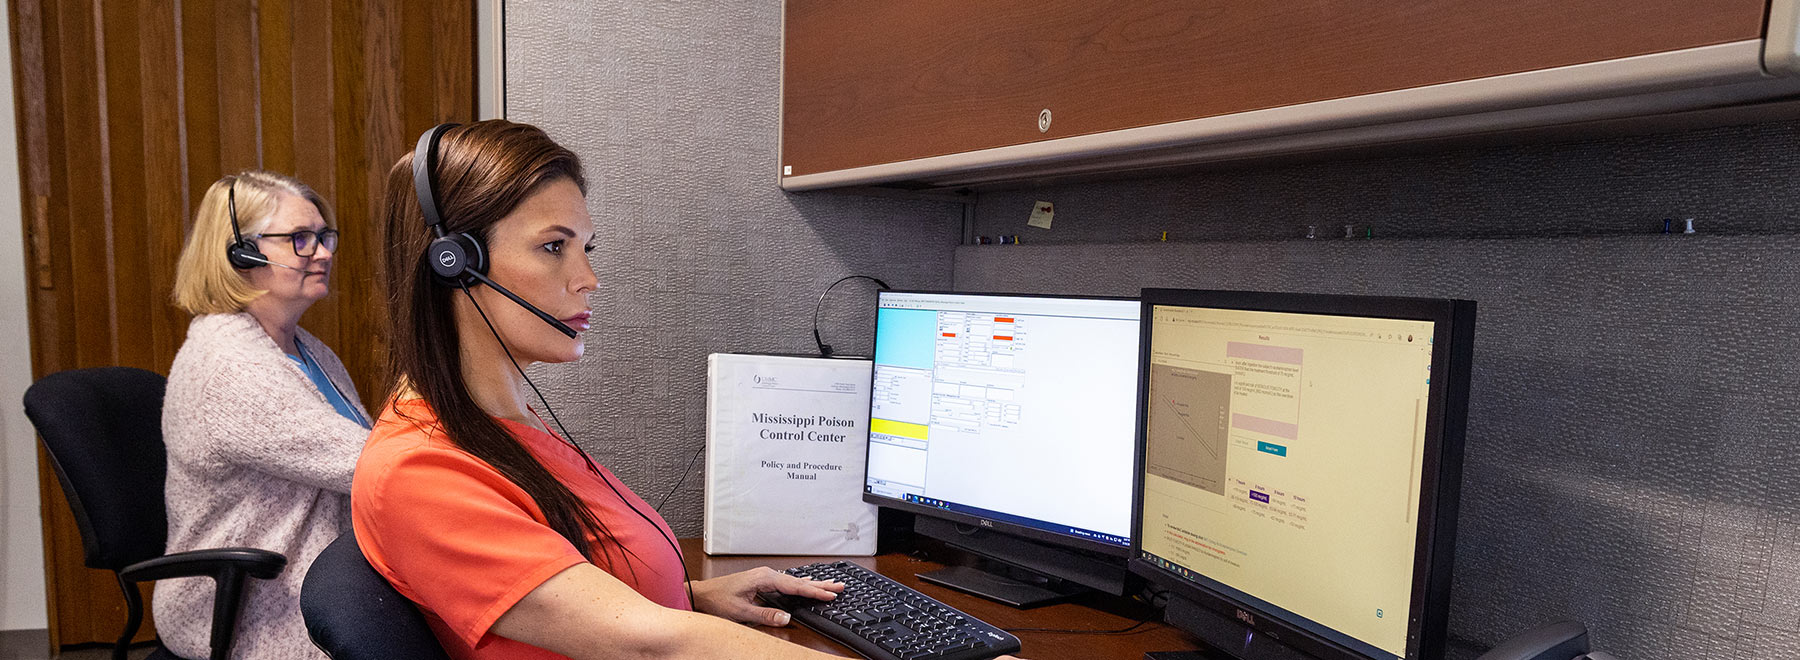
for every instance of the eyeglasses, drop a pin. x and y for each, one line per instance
(307, 242)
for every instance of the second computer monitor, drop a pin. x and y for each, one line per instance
(1300, 469)
(1007, 412)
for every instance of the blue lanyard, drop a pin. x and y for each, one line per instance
(307, 362)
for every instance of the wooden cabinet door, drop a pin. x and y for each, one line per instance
(129, 109)
(867, 83)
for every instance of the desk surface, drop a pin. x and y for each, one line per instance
(1153, 636)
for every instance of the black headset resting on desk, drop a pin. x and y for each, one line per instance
(460, 260)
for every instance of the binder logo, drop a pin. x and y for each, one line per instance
(851, 530)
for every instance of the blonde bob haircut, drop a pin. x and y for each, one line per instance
(205, 282)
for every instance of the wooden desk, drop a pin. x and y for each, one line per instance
(1153, 636)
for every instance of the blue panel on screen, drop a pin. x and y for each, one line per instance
(906, 338)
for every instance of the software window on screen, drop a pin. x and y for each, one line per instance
(1282, 459)
(1022, 406)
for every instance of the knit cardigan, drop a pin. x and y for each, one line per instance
(257, 457)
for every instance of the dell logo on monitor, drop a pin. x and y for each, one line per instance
(987, 523)
(1246, 618)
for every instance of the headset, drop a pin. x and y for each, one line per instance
(460, 260)
(243, 254)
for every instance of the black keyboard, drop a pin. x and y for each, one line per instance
(885, 620)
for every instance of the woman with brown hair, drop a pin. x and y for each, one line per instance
(509, 538)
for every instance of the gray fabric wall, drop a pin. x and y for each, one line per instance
(1742, 179)
(1632, 457)
(673, 108)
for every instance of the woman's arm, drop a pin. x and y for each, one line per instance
(584, 612)
(293, 435)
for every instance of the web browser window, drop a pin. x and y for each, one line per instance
(1282, 460)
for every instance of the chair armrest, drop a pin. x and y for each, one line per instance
(227, 567)
(254, 562)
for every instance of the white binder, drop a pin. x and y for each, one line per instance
(785, 444)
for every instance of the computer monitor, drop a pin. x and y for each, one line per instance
(1299, 468)
(1007, 424)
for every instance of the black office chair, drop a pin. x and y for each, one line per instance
(103, 430)
(352, 613)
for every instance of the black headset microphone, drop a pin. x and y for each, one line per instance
(460, 260)
(265, 262)
(243, 254)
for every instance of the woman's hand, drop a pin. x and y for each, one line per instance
(733, 596)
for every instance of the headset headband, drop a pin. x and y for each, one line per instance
(231, 202)
(425, 175)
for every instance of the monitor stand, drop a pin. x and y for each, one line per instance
(1018, 571)
(1021, 592)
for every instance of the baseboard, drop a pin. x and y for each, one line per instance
(25, 644)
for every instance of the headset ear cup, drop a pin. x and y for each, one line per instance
(243, 255)
(453, 256)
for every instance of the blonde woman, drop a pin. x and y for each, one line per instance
(262, 424)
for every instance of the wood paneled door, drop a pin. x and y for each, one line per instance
(128, 110)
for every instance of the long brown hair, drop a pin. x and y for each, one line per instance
(484, 170)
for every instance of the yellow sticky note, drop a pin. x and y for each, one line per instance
(1041, 215)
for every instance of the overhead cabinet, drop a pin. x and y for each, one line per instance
(932, 93)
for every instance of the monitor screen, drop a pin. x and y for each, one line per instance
(1286, 457)
(1011, 409)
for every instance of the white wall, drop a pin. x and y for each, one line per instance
(490, 65)
(21, 542)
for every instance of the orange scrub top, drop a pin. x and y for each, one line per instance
(460, 540)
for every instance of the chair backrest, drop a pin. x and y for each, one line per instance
(352, 613)
(103, 430)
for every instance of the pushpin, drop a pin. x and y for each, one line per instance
(1689, 229)
(1349, 231)
(1312, 232)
